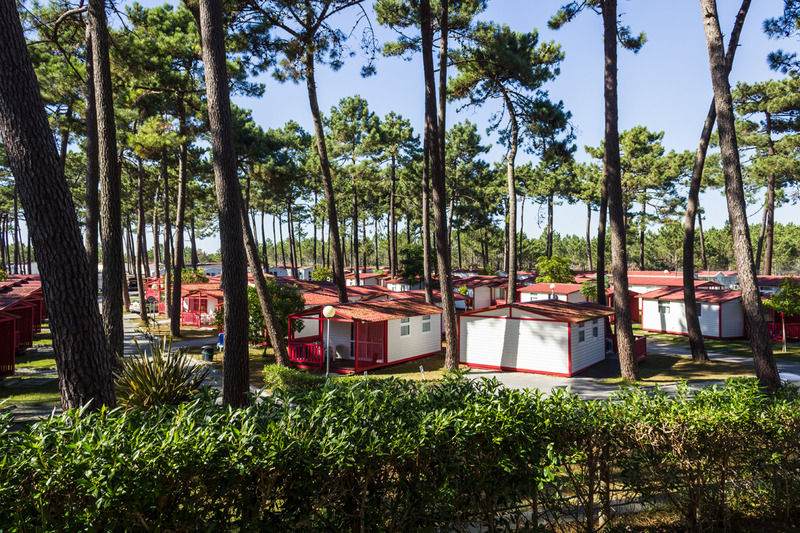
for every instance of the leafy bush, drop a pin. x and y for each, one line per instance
(392, 455)
(286, 299)
(3, 274)
(554, 270)
(193, 275)
(322, 273)
(158, 376)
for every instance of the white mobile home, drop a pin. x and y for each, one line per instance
(719, 311)
(568, 292)
(366, 335)
(543, 337)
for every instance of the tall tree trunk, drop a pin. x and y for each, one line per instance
(762, 231)
(458, 238)
(642, 228)
(550, 224)
(327, 181)
(375, 235)
(82, 355)
(156, 237)
(322, 242)
(611, 171)
(511, 184)
(696, 342)
(264, 296)
(354, 222)
(283, 250)
(264, 251)
(427, 279)
(274, 241)
(229, 198)
(17, 259)
(180, 217)
(110, 207)
(439, 192)
(290, 230)
(193, 243)
(314, 225)
(589, 234)
(392, 221)
(766, 369)
(520, 237)
(28, 231)
(62, 153)
(364, 240)
(703, 257)
(167, 237)
(601, 243)
(770, 222)
(444, 29)
(141, 255)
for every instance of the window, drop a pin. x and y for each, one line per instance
(426, 323)
(663, 307)
(594, 321)
(405, 330)
(405, 320)
(699, 310)
(594, 331)
(581, 336)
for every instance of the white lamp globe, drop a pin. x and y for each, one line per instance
(552, 286)
(328, 311)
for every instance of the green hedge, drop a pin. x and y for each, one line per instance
(390, 455)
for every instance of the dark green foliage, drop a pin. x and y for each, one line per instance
(285, 299)
(321, 273)
(193, 275)
(389, 455)
(411, 262)
(554, 270)
(291, 379)
(158, 376)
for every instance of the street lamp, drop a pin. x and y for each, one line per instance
(552, 291)
(328, 312)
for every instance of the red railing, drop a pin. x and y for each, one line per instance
(307, 351)
(776, 331)
(640, 348)
(190, 319)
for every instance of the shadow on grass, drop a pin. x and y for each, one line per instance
(663, 368)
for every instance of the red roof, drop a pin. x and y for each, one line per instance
(437, 295)
(478, 281)
(217, 294)
(715, 272)
(376, 311)
(365, 275)
(560, 288)
(711, 296)
(558, 310)
(322, 297)
(772, 281)
(666, 281)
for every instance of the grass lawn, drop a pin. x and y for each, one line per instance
(41, 393)
(661, 369)
(739, 347)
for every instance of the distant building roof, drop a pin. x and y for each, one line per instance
(377, 311)
(701, 295)
(560, 288)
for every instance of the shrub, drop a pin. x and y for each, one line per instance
(291, 379)
(193, 275)
(158, 376)
(322, 273)
(393, 455)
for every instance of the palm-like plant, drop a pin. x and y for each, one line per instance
(158, 376)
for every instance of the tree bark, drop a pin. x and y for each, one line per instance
(229, 197)
(167, 238)
(180, 221)
(193, 243)
(92, 168)
(264, 296)
(439, 192)
(82, 354)
(511, 294)
(283, 250)
(642, 228)
(589, 234)
(354, 248)
(274, 241)
(696, 342)
(770, 222)
(766, 369)
(550, 225)
(392, 220)
(611, 176)
(62, 153)
(110, 185)
(290, 229)
(156, 237)
(327, 180)
(141, 254)
(703, 257)
(762, 231)
(16, 234)
(264, 251)
(427, 279)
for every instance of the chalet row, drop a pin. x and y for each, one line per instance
(22, 311)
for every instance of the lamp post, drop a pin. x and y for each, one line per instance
(552, 291)
(328, 312)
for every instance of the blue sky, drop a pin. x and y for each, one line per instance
(666, 86)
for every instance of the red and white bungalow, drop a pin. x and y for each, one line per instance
(727, 279)
(720, 312)
(544, 337)
(364, 279)
(22, 311)
(366, 335)
(568, 292)
(480, 290)
(200, 306)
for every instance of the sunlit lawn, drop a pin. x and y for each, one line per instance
(32, 390)
(661, 368)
